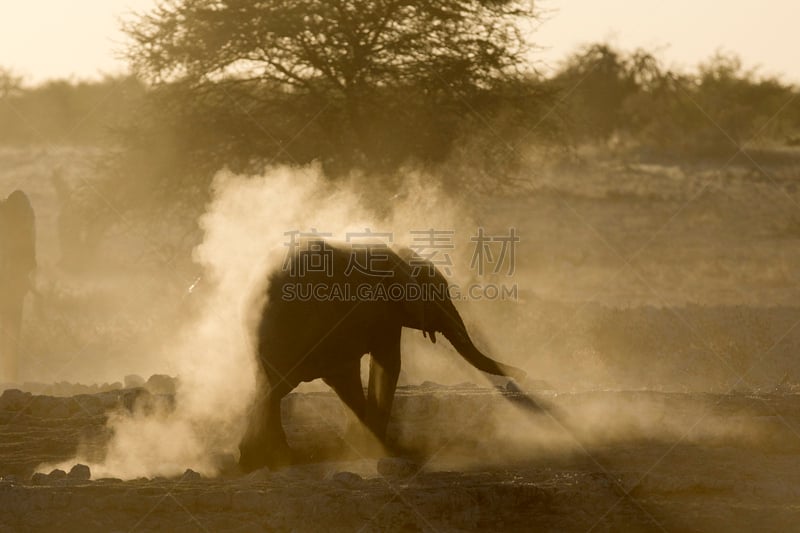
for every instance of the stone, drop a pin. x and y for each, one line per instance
(160, 384)
(80, 472)
(14, 400)
(39, 478)
(191, 475)
(56, 474)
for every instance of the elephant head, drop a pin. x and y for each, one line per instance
(433, 311)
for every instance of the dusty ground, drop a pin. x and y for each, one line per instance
(475, 476)
(682, 280)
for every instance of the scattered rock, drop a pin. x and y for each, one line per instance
(160, 384)
(14, 400)
(56, 474)
(396, 467)
(39, 478)
(190, 475)
(80, 472)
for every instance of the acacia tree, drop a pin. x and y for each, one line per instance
(375, 65)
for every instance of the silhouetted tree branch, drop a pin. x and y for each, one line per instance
(355, 56)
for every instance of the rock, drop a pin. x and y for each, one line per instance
(190, 475)
(160, 384)
(133, 381)
(14, 400)
(348, 479)
(396, 467)
(39, 478)
(56, 474)
(80, 472)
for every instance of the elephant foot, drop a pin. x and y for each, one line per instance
(394, 449)
(275, 455)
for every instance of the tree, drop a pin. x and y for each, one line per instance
(10, 83)
(374, 71)
(597, 81)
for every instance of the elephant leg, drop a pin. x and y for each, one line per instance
(347, 385)
(264, 442)
(384, 370)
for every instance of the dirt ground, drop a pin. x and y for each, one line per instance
(657, 305)
(470, 476)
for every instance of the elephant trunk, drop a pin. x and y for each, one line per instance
(457, 334)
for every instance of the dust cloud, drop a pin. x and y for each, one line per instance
(244, 237)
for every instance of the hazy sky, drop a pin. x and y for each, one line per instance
(56, 38)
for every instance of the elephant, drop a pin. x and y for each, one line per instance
(318, 323)
(17, 262)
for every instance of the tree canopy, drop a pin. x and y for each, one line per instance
(367, 64)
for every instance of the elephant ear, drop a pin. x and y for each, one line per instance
(415, 306)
